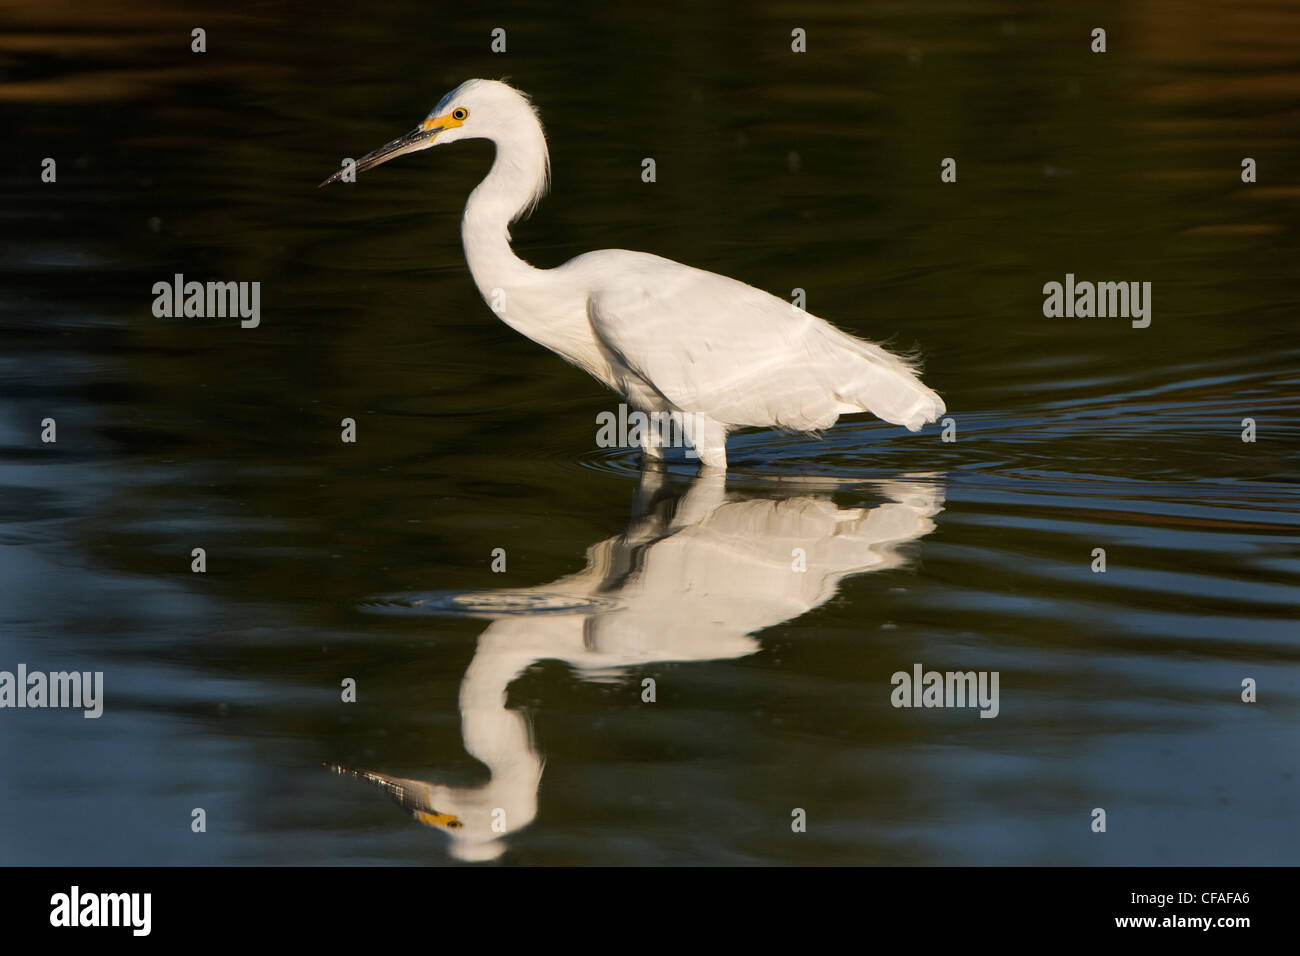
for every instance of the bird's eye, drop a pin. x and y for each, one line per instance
(454, 824)
(459, 114)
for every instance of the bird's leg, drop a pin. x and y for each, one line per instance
(708, 438)
(652, 444)
(705, 495)
(651, 488)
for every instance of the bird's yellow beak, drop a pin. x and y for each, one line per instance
(421, 137)
(436, 819)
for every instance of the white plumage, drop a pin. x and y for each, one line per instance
(669, 338)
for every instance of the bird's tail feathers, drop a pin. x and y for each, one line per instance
(882, 383)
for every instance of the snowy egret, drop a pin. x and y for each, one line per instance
(692, 347)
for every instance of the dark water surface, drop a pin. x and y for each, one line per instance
(522, 691)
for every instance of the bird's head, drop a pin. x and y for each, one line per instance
(474, 819)
(477, 109)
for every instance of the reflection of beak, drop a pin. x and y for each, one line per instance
(408, 796)
(417, 139)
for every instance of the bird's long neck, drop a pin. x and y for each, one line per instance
(512, 187)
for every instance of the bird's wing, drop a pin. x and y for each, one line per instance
(713, 345)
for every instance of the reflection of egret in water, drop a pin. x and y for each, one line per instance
(691, 579)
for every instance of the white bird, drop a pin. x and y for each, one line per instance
(699, 350)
